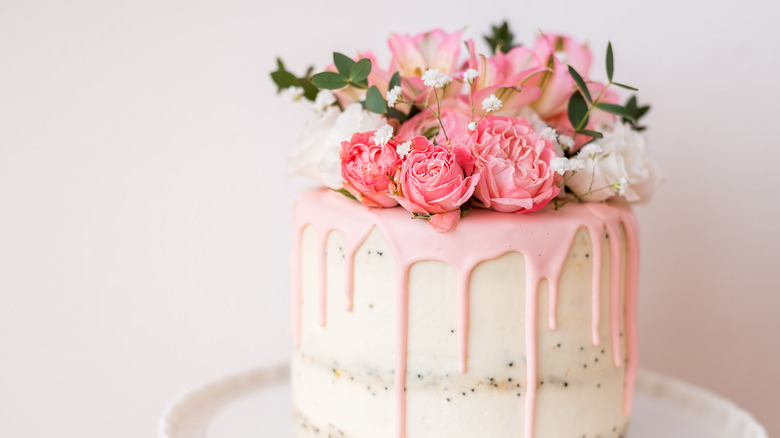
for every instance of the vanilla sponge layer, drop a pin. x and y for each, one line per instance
(343, 372)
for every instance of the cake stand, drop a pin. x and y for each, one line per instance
(257, 404)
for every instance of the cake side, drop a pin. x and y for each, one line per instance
(465, 337)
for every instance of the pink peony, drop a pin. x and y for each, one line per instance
(455, 116)
(366, 166)
(513, 163)
(435, 179)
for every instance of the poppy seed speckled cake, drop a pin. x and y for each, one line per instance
(470, 266)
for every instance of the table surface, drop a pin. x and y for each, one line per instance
(257, 404)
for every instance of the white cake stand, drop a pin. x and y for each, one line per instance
(257, 404)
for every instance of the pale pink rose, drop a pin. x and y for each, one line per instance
(455, 116)
(567, 50)
(434, 179)
(366, 166)
(513, 162)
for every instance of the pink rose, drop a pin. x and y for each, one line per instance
(366, 166)
(435, 179)
(455, 116)
(513, 163)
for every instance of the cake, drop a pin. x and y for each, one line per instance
(465, 272)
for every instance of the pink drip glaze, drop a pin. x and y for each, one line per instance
(595, 243)
(632, 287)
(464, 248)
(615, 254)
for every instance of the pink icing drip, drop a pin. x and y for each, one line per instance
(632, 287)
(552, 299)
(595, 243)
(615, 254)
(463, 249)
(463, 320)
(295, 288)
(531, 328)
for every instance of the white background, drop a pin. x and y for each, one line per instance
(144, 210)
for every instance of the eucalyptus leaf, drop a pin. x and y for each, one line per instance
(375, 102)
(627, 87)
(343, 63)
(580, 83)
(345, 193)
(329, 80)
(360, 70)
(610, 62)
(617, 110)
(395, 114)
(588, 132)
(395, 81)
(578, 109)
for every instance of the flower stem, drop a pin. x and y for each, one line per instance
(587, 114)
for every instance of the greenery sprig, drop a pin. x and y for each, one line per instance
(285, 79)
(581, 103)
(501, 38)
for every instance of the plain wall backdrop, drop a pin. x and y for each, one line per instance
(144, 209)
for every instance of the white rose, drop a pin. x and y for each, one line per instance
(316, 155)
(623, 155)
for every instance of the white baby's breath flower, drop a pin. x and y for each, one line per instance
(566, 142)
(472, 126)
(433, 78)
(491, 103)
(324, 99)
(576, 164)
(621, 185)
(293, 93)
(383, 135)
(560, 165)
(590, 151)
(404, 148)
(469, 75)
(393, 95)
(549, 133)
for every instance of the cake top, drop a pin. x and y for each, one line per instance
(437, 135)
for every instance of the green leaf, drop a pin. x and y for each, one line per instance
(578, 108)
(360, 70)
(580, 83)
(329, 80)
(345, 193)
(627, 87)
(588, 132)
(617, 110)
(343, 63)
(642, 111)
(501, 38)
(610, 62)
(281, 77)
(375, 102)
(395, 81)
(309, 90)
(395, 114)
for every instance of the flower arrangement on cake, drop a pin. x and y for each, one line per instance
(438, 135)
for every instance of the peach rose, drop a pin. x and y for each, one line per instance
(366, 168)
(513, 163)
(435, 179)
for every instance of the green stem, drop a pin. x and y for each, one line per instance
(595, 101)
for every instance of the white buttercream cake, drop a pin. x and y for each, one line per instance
(400, 331)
